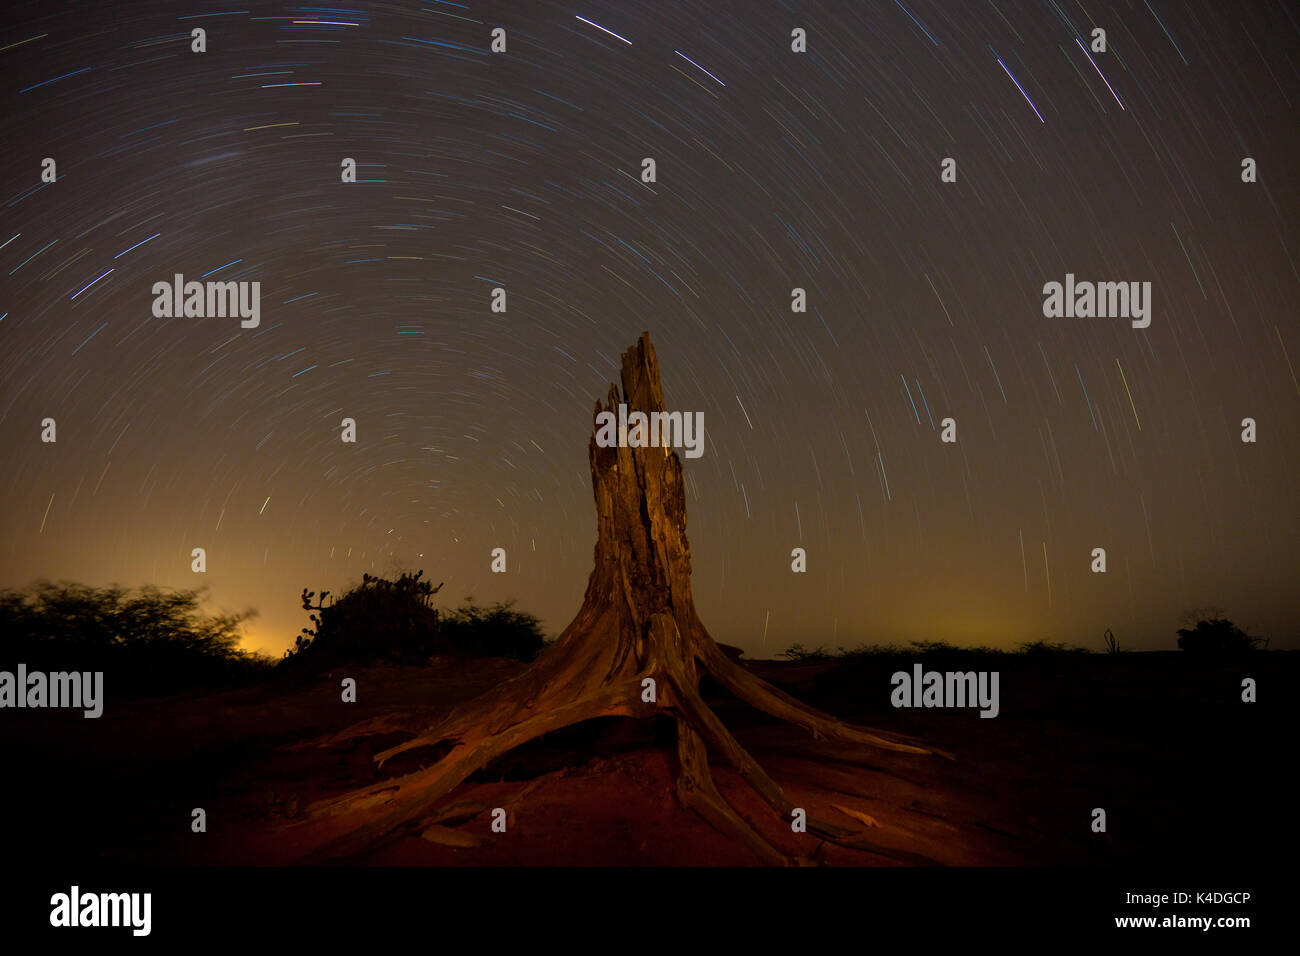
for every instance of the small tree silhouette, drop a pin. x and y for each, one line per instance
(1216, 636)
(377, 619)
(797, 652)
(496, 631)
(382, 619)
(1112, 645)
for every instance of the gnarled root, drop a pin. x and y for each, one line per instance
(415, 794)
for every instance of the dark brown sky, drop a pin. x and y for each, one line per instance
(775, 170)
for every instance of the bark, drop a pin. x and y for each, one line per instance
(637, 621)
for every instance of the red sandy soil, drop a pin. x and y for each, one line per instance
(613, 807)
(1020, 791)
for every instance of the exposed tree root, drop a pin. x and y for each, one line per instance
(697, 791)
(417, 793)
(772, 700)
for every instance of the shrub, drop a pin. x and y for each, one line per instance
(496, 631)
(1049, 647)
(1216, 636)
(396, 621)
(378, 619)
(797, 652)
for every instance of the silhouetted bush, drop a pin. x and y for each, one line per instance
(496, 631)
(797, 652)
(378, 619)
(1216, 636)
(944, 649)
(147, 641)
(1050, 647)
(396, 621)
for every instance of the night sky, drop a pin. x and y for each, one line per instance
(775, 170)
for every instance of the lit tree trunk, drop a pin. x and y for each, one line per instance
(637, 622)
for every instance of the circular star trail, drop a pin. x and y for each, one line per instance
(775, 170)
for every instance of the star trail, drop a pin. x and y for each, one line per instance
(775, 169)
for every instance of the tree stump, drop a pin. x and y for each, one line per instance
(637, 621)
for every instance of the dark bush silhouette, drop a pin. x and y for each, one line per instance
(378, 619)
(1216, 636)
(146, 641)
(1049, 647)
(395, 620)
(496, 631)
(797, 652)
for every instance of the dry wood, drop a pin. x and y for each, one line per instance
(637, 621)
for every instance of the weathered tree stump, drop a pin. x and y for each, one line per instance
(637, 621)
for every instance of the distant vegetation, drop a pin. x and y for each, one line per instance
(797, 652)
(1217, 635)
(1211, 634)
(395, 620)
(149, 640)
(156, 641)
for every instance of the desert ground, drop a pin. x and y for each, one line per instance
(1162, 741)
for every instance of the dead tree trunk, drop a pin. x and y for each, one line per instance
(637, 622)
